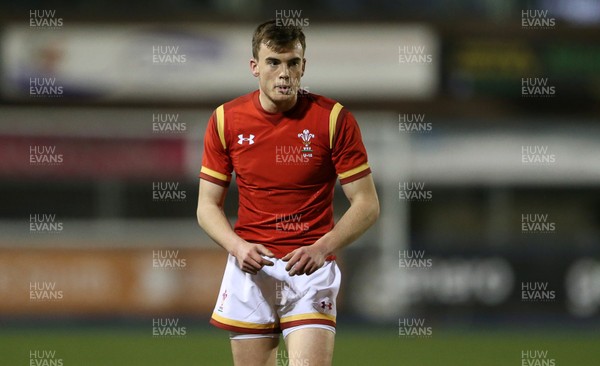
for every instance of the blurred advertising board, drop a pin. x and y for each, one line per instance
(473, 287)
(209, 63)
(521, 67)
(44, 282)
(496, 286)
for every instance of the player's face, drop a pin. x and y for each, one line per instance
(279, 75)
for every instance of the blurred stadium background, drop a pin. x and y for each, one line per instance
(481, 122)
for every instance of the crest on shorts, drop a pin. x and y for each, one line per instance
(223, 297)
(306, 136)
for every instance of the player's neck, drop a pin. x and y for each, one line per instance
(271, 106)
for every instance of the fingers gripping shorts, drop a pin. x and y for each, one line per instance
(272, 301)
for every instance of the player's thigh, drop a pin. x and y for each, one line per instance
(255, 351)
(310, 346)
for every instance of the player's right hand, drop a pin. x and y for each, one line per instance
(249, 257)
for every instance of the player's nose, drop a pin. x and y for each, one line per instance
(284, 72)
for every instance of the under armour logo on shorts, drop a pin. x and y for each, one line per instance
(242, 139)
(326, 305)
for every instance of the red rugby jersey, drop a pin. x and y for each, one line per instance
(286, 165)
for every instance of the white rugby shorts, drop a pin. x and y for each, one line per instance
(272, 301)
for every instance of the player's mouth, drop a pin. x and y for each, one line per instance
(284, 89)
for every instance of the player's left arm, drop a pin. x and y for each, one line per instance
(362, 213)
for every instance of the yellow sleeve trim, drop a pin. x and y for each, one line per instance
(333, 116)
(356, 170)
(240, 324)
(215, 174)
(293, 318)
(221, 125)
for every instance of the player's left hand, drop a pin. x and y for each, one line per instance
(304, 260)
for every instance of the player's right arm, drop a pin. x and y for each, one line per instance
(214, 180)
(212, 219)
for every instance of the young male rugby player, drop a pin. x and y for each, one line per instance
(287, 148)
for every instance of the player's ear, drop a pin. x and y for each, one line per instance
(254, 67)
(303, 66)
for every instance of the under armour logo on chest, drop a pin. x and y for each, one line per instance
(241, 140)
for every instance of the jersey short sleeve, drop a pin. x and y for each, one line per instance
(348, 151)
(216, 162)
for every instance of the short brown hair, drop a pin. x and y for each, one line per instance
(276, 37)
